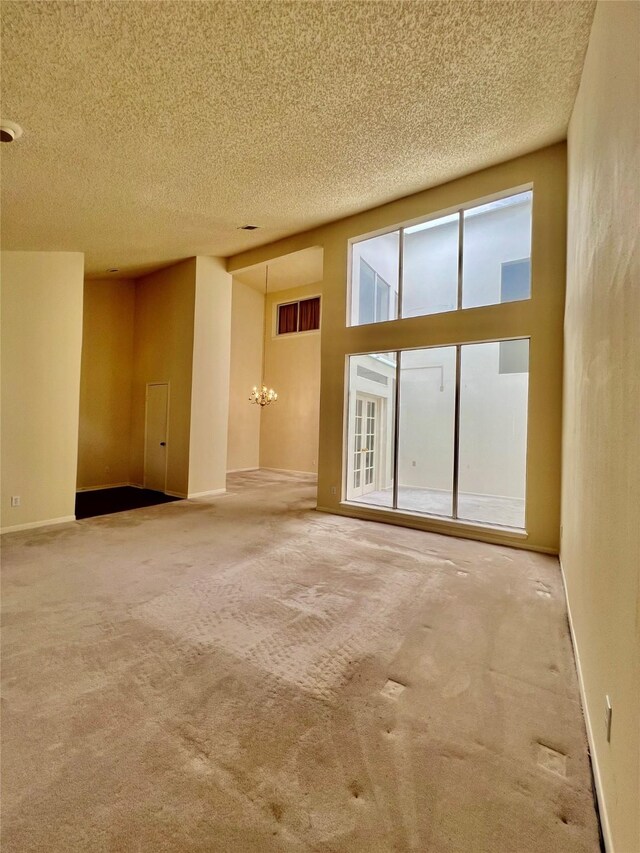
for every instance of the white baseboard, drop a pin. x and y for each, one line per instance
(602, 805)
(110, 486)
(98, 488)
(241, 470)
(64, 519)
(182, 495)
(207, 494)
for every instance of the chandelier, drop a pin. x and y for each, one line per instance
(263, 396)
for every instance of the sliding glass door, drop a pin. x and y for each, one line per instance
(460, 417)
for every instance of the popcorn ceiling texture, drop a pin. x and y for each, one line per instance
(244, 675)
(152, 130)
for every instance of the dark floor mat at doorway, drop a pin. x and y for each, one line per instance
(106, 501)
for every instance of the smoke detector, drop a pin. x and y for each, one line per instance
(9, 131)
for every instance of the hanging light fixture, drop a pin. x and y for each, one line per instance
(263, 396)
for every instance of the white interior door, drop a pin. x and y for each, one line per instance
(365, 449)
(155, 448)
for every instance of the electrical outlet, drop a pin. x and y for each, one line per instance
(608, 713)
(15, 500)
(334, 491)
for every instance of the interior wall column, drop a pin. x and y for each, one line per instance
(42, 294)
(210, 377)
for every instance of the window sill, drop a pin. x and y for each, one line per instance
(450, 524)
(284, 335)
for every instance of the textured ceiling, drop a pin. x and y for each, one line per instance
(153, 130)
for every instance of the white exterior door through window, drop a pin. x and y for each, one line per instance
(365, 454)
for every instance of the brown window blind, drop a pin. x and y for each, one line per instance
(309, 314)
(287, 318)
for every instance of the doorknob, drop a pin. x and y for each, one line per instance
(163, 443)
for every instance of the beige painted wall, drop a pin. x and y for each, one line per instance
(210, 377)
(289, 427)
(163, 352)
(601, 442)
(42, 296)
(105, 383)
(540, 318)
(247, 324)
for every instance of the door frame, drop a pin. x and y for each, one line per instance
(146, 411)
(379, 403)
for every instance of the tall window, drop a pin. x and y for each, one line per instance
(457, 447)
(476, 256)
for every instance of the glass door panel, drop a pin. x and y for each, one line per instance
(357, 450)
(494, 381)
(369, 448)
(426, 430)
(371, 421)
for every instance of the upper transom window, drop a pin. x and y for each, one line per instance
(476, 256)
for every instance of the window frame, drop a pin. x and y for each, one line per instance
(458, 210)
(276, 317)
(455, 521)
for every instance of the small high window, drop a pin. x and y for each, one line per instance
(301, 316)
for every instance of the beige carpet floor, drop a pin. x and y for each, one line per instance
(245, 674)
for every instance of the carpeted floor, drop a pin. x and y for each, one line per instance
(243, 674)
